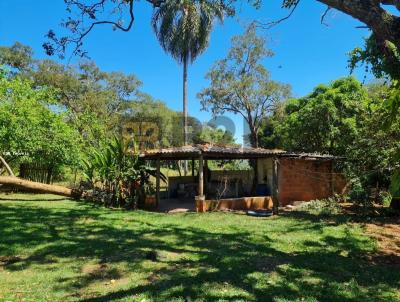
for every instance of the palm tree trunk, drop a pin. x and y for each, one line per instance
(185, 114)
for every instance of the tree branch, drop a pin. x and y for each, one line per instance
(6, 166)
(395, 3)
(271, 24)
(62, 43)
(324, 15)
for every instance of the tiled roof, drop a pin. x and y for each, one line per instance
(209, 151)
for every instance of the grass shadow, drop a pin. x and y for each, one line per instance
(211, 257)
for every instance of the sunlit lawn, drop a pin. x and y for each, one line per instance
(72, 251)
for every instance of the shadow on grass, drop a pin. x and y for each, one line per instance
(228, 266)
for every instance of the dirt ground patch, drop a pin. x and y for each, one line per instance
(385, 229)
(9, 259)
(101, 271)
(388, 236)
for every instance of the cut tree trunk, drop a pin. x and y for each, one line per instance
(39, 187)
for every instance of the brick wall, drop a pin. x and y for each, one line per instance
(241, 204)
(301, 179)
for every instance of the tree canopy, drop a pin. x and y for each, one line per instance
(242, 85)
(326, 120)
(346, 119)
(30, 131)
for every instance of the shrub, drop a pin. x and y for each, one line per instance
(117, 170)
(321, 207)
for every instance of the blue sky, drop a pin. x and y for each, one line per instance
(307, 53)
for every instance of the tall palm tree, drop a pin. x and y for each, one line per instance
(183, 28)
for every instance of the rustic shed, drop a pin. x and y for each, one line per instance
(281, 177)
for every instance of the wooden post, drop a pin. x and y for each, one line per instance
(205, 176)
(158, 182)
(275, 186)
(200, 199)
(201, 176)
(193, 167)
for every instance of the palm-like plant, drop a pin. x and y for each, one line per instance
(116, 169)
(183, 29)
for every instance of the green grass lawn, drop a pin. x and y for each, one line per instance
(73, 251)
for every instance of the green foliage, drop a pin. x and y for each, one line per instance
(270, 136)
(395, 184)
(385, 198)
(240, 83)
(117, 169)
(345, 119)
(183, 28)
(358, 193)
(92, 100)
(92, 104)
(30, 131)
(153, 124)
(217, 136)
(383, 60)
(80, 249)
(373, 58)
(18, 57)
(321, 207)
(326, 120)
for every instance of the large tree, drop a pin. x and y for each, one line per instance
(30, 131)
(91, 99)
(346, 119)
(242, 85)
(326, 120)
(183, 29)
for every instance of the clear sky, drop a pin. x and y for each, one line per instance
(307, 53)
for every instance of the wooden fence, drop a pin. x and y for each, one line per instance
(37, 172)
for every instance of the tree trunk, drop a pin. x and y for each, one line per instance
(185, 113)
(254, 162)
(9, 171)
(254, 139)
(38, 187)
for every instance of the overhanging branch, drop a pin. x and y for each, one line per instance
(324, 15)
(271, 24)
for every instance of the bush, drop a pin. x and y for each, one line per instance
(321, 207)
(385, 198)
(118, 175)
(358, 194)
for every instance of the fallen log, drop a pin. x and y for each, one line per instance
(39, 187)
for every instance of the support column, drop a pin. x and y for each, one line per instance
(201, 176)
(205, 176)
(158, 181)
(192, 167)
(200, 198)
(275, 186)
